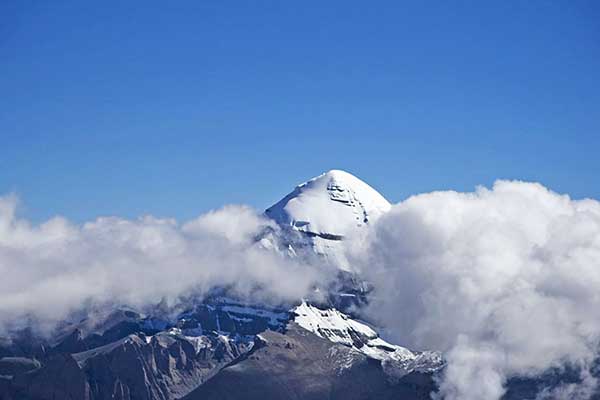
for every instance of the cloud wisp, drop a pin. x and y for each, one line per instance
(505, 281)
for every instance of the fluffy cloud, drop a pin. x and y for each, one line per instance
(57, 267)
(506, 281)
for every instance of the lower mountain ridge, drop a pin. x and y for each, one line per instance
(223, 349)
(303, 352)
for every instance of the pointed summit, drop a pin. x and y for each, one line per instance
(331, 206)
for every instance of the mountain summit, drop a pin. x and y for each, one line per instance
(318, 215)
(330, 206)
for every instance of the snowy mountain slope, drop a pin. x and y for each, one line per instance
(332, 206)
(338, 327)
(325, 211)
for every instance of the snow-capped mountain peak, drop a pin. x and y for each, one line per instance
(332, 206)
(325, 211)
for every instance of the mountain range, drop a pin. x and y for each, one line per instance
(220, 346)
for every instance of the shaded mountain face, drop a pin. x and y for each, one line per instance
(152, 358)
(300, 365)
(211, 341)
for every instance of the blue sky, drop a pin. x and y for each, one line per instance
(139, 108)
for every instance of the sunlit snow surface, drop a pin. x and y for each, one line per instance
(333, 204)
(340, 328)
(326, 210)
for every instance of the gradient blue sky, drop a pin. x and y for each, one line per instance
(141, 108)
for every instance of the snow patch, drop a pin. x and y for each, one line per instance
(338, 327)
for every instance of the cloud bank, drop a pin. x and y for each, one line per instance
(505, 281)
(55, 268)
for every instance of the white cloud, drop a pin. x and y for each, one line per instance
(506, 281)
(55, 268)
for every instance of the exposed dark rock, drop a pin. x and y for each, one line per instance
(73, 343)
(165, 367)
(232, 318)
(59, 378)
(24, 343)
(11, 366)
(300, 365)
